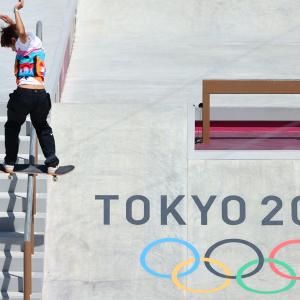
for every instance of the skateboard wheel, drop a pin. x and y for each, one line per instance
(10, 176)
(55, 178)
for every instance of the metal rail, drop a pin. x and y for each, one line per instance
(241, 87)
(31, 204)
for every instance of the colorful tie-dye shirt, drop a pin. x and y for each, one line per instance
(30, 61)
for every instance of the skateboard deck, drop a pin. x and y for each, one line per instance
(38, 169)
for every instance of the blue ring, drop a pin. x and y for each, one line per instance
(169, 240)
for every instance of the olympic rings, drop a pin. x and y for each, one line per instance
(169, 240)
(252, 246)
(270, 260)
(273, 254)
(210, 291)
(227, 273)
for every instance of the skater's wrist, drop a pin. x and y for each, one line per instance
(19, 5)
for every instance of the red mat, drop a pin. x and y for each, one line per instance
(251, 135)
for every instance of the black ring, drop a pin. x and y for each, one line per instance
(261, 259)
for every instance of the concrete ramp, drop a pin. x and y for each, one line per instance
(209, 20)
(154, 51)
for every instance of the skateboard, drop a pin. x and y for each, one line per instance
(37, 169)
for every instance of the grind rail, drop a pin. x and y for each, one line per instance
(210, 87)
(31, 204)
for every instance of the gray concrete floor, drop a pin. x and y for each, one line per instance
(123, 123)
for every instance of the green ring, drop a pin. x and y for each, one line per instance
(254, 262)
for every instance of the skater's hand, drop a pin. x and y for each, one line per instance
(19, 23)
(7, 19)
(20, 4)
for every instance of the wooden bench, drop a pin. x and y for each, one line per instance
(211, 87)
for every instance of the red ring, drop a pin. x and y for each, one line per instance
(273, 254)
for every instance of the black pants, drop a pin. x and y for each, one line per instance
(37, 103)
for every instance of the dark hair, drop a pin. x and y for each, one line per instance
(7, 33)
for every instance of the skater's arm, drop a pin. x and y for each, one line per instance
(19, 22)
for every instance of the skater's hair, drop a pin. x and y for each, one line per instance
(7, 33)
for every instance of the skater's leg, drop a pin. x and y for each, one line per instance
(44, 132)
(16, 116)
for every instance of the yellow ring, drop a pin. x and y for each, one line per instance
(203, 259)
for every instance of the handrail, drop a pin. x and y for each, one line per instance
(31, 203)
(30, 186)
(39, 30)
(257, 86)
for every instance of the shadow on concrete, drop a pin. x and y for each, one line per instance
(12, 241)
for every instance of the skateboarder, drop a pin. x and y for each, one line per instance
(30, 96)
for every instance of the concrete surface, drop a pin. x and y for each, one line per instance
(142, 155)
(253, 181)
(123, 123)
(123, 156)
(154, 52)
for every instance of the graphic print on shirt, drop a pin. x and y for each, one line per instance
(30, 65)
